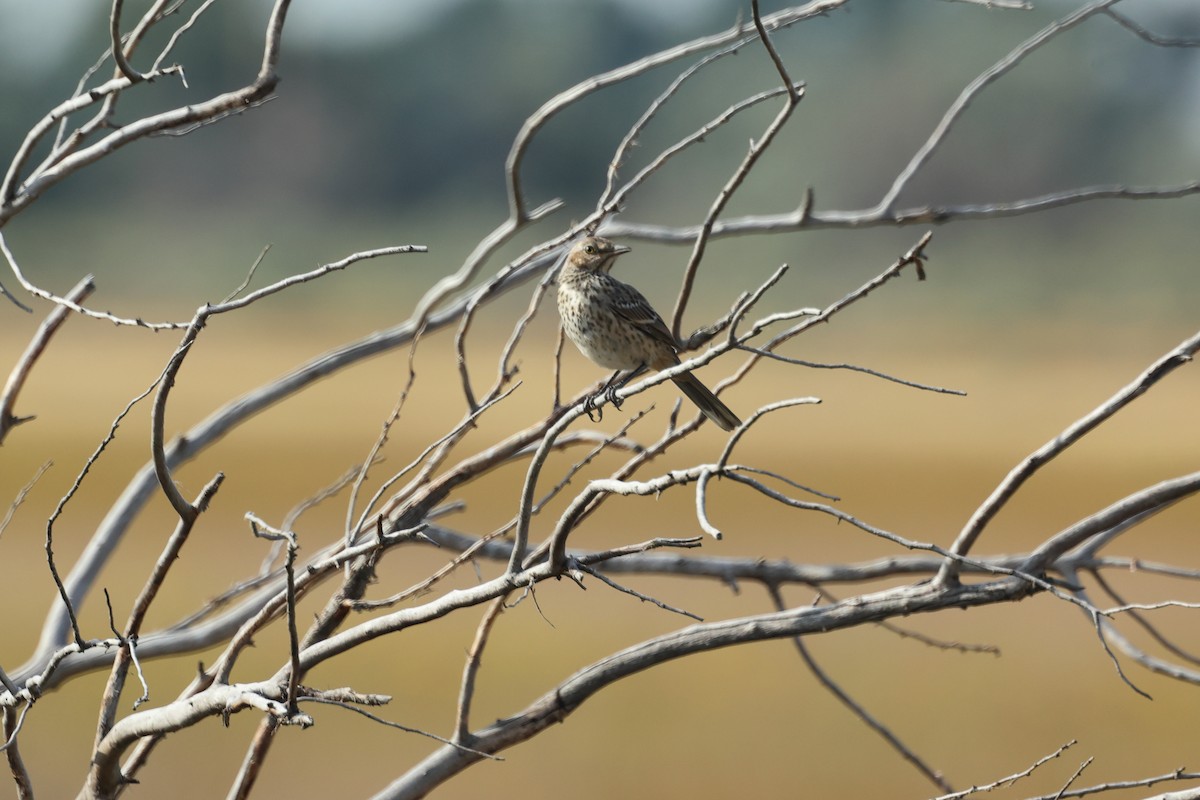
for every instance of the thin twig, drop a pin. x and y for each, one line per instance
(37, 346)
(1016, 5)
(241, 287)
(907, 753)
(794, 94)
(914, 257)
(398, 726)
(423, 586)
(12, 723)
(262, 530)
(1147, 35)
(353, 526)
(179, 32)
(606, 442)
(785, 479)
(14, 199)
(474, 660)
(800, 362)
(439, 448)
(1112, 786)
(1029, 466)
(1011, 779)
(1074, 777)
(810, 219)
(630, 139)
(645, 598)
(1141, 619)
(118, 50)
(141, 607)
(22, 494)
(552, 107)
(1102, 626)
(758, 414)
(62, 503)
(972, 90)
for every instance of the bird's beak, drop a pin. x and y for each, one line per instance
(620, 248)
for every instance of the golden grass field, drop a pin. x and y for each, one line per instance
(748, 722)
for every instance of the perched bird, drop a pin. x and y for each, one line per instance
(614, 325)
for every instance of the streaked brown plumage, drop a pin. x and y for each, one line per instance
(615, 326)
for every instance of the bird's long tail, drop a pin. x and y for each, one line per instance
(706, 401)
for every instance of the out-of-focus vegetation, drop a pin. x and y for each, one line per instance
(402, 138)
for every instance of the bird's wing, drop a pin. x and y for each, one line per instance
(630, 305)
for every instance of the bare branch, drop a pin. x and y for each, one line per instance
(141, 606)
(22, 494)
(1034, 461)
(388, 723)
(805, 219)
(180, 31)
(645, 598)
(1147, 35)
(581, 90)
(750, 421)
(794, 94)
(976, 86)
(853, 368)
(1132, 610)
(1112, 786)
(1016, 5)
(410, 504)
(562, 700)
(934, 776)
(14, 199)
(353, 526)
(1135, 505)
(118, 50)
(1075, 776)
(64, 594)
(59, 116)
(13, 298)
(1011, 779)
(105, 774)
(486, 248)
(263, 531)
(72, 305)
(37, 346)
(241, 287)
(631, 137)
(12, 722)
(471, 669)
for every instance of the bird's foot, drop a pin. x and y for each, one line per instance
(594, 413)
(610, 394)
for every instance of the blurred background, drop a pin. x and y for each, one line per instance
(391, 126)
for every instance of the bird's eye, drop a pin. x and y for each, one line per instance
(590, 249)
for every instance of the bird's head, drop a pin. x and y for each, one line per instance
(595, 254)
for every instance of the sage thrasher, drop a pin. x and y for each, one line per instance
(614, 325)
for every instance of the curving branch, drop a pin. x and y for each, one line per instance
(794, 93)
(560, 702)
(16, 198)
(1021, 473)
(37, 346)
(118, 48)
(973, 89)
